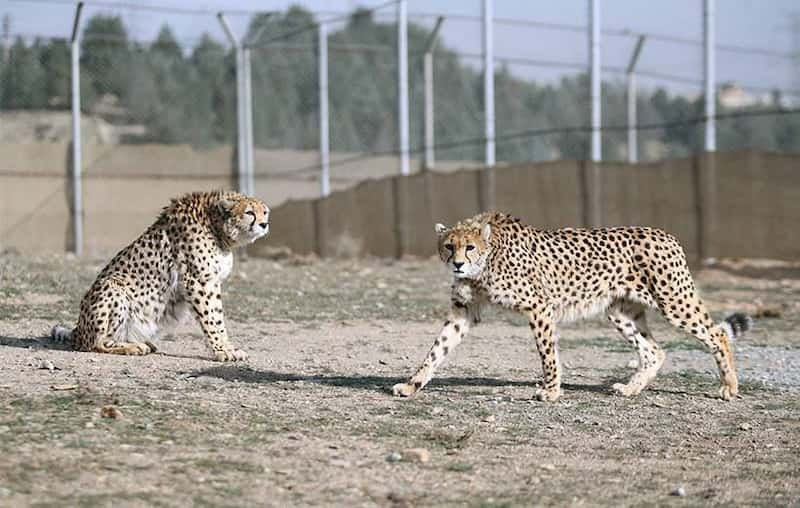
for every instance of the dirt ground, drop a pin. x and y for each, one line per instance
(309, 420)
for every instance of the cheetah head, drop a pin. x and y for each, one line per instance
(245, 219)
(464, 248)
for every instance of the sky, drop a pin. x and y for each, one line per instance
(761, 24)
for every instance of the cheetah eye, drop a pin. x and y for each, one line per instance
(470, 247)
(449, 246)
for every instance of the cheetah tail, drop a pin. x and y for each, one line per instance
(61, 334)
(736, 324)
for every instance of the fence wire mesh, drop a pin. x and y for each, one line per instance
(159, 94)
(362, 63)
(458, 111)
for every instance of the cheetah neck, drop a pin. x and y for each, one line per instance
(221, 234)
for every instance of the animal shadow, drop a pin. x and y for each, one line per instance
(42, 342)
(382, 384)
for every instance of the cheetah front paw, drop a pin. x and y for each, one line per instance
(548, 395)
(230, 355)
(727, 392)
(404, 389)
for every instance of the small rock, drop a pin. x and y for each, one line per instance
(633, 364)
(745, 426)
(398, 500)
(416, 455)
(679, 492)
(89, 425)
(548, 467)
(4, 492)
(490, 419)
(767, 312)
(110, 412)
(394, 457)
(61, 388)
(47, 365)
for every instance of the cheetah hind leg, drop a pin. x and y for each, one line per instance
(629, 319)
(125, 348)
(117, 330)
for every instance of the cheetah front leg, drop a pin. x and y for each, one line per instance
(453, 332)
(206, 301)
(543, 329)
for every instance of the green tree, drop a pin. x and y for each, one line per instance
(55, 58)
(24, 77)
(216, 87)
(105, 55)
(166, 45)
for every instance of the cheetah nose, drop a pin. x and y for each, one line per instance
(264, 225)
(458, 265)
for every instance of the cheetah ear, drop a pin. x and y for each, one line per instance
(225, 205)
(440, 228)
(486, 233)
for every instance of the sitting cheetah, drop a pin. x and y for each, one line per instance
(562, 275)
(175, 267)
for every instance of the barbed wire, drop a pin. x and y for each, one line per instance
(365, 48)
(342, 16)
(581, 129)
(316, 24)
(142, 7)
(528, 133)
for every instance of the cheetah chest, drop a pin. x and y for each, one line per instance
(224, 266)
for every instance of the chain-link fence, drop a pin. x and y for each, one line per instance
(160, 97)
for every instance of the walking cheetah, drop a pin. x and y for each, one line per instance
(174, 268)
(567, 274)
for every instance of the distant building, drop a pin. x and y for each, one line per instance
(733, 96)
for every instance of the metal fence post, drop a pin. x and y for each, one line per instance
(324, 138)
(247, 89)
(402, 84)
(633, 149)
(429, 161)
(594, 74)
(248, 120)
(77, 191)
(241, 156)
(709, 78)
(488, 81)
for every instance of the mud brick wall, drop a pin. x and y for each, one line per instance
(733, 204)
(736, 204)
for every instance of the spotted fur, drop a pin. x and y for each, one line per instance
(176, 267)
(567, 274)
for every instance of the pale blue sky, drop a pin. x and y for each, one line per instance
(751, 23)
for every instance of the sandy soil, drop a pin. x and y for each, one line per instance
(309, 419)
